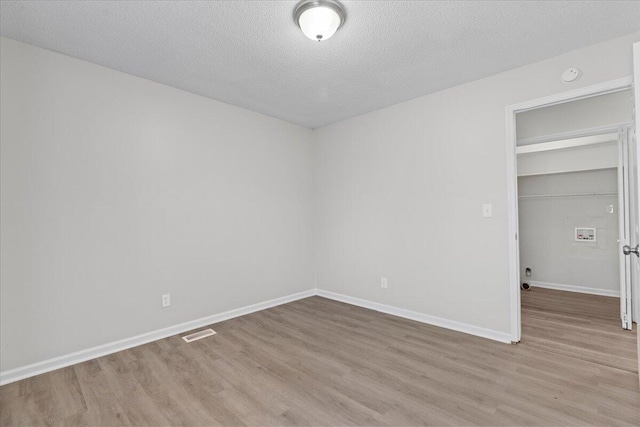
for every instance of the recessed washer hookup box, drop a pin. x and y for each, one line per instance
(585, 234)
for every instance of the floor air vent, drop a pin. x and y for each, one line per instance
(199, 335)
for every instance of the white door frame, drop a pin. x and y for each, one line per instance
(512, 180)
(636, 141)
(624, 236)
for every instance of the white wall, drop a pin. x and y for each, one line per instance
(588, 157)
(400, 190)
(547, 225)
(116, 190)
(603, 110)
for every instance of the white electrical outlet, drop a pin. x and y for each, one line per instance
(166, 300)
(383, 282)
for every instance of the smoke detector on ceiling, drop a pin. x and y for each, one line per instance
(571, 75)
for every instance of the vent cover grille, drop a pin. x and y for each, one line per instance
(199, 335)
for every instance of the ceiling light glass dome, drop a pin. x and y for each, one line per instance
(319, 19)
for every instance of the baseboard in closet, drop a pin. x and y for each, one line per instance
(573, 288)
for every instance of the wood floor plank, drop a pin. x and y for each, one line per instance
(138, 405)
(320, 362)
(102, 407)
(582, 325)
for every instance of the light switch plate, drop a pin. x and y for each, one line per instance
(487, 210)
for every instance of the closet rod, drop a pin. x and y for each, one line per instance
(567, 195)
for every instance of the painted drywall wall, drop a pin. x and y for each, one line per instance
(603, 110)
(400, 192)
(547, 227)
(589, 157)
(606, 110)
(116, 190)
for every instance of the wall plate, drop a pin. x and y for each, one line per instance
(585, 234)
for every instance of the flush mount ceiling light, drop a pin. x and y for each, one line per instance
(319, 19)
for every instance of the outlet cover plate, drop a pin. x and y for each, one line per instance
(166, 300)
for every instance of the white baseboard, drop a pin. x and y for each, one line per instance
(38, 368)
(27, 371)
(491, 334)
(572, 288)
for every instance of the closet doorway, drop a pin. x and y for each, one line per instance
(574, 216)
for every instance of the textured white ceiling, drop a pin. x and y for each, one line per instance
(251, 54)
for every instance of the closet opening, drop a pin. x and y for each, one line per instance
(575, 197)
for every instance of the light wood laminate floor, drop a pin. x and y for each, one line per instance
(321, 362)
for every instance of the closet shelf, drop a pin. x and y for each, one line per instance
(568, 195)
